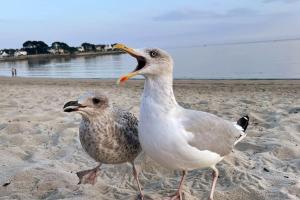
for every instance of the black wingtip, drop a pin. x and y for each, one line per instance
(243, 122)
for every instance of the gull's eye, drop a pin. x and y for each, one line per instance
(96, 100)
(153, 53)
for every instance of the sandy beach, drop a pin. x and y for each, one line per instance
(41, 153)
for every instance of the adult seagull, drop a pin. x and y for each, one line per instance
(173, 136)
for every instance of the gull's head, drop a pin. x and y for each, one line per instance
(89, 104)
(151, 62)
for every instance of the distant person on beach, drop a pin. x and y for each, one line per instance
(12, 72)
(15, 71)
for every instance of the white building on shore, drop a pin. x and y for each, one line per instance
(80, 49)
(20, 53)
(108, 47)
(3, 54)
(56, 51)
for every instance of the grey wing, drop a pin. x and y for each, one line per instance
(210, 132)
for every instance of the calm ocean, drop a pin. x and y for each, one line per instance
(270, 60)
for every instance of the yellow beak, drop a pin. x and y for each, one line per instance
(133, 53)
(124, 78)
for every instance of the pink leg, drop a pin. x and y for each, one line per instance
(136, 177)
(88, 176)
(213, 186)
(178, 194)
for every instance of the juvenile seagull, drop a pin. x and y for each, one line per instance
(175, 137)
(107, 133)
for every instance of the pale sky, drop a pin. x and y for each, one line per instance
(142, 23)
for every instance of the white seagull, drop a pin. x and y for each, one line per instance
(173, 136)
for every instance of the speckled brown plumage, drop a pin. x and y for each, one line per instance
(111, 137)
(107, 133)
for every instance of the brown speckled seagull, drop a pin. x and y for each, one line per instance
(107, 133)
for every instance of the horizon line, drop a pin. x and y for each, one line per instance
(237, 42)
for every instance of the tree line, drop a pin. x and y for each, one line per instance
(40, 47)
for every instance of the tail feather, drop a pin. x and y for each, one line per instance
(242, 125)
(243, 122)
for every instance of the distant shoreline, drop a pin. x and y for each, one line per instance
(24, 78)
(112, 81)
(50, 56)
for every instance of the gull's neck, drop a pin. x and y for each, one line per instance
(159, 90)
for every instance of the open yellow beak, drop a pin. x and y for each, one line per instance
(133, 53)
(124, 78)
